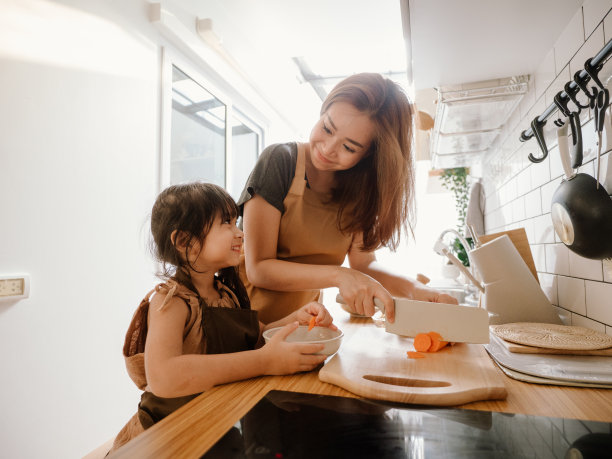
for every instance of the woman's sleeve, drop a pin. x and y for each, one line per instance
(272, 175)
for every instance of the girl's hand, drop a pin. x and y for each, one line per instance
(281, 357)
(322, 316)
(359, 290)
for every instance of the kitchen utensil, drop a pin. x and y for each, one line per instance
(541, 380)
(588, 369)
(522, 349)
(553, 336)
(331, 339)
(373, 364)
(457, 324)
(474, 235)
(442, 249)
(603, 100)
(512, 293)
(564, 151)
(574, 121)
(518, 237)
(582, 214)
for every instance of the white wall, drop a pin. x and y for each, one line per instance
(79, 171)
(519, 193)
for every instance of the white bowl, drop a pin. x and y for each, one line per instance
(330, 338)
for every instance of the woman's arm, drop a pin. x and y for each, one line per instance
(172, 374)
(397, 284)
(261, 225)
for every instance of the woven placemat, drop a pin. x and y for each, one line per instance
(552, 336)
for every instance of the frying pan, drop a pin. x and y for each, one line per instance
(581, 207)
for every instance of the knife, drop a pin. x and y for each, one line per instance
(456, 324)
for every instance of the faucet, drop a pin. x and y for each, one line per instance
(442, 249)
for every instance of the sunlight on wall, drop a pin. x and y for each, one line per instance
(44, 32)
(435, 213)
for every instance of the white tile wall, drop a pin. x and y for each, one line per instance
(570, 41)
(599, 300)
(519, 193)
(571, 293)
(594, 10)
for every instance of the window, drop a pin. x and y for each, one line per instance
(197, 134)
(204, 136)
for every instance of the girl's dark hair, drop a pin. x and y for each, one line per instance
(386, 172)
(190, 209)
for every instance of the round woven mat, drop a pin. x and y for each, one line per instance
(553, 336)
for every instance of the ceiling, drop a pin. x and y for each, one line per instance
(450, 42)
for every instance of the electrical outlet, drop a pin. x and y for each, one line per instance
(14, 286)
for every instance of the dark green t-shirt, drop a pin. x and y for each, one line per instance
(272, 175)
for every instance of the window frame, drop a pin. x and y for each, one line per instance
(170, 59)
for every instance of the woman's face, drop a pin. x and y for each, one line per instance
(341, 138)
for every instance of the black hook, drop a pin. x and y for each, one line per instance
(562, 105)
(571, 93)
(593, 72)
(576, 140)
(582, 84)
(538, 130)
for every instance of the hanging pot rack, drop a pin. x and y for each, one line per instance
(580, 83)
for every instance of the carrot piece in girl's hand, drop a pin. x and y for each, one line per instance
(415, 355)
(436, 341)
(312, 323)
(422, 342)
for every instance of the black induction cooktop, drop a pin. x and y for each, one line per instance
(289, 425)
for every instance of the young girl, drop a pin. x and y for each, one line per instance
(198, 330)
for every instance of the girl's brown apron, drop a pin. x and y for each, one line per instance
(308, 234)
(223, 328)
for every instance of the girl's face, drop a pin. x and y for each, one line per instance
(221, 246)
(341, 138)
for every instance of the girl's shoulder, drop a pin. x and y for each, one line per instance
(171, 293)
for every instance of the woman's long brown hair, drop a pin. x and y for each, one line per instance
(376, 196)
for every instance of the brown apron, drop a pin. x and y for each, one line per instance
(209, 329)
(308, 234)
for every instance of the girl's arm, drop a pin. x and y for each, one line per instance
(172, 374)
(303, 315)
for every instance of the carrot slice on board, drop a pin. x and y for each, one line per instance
(422, 342)
(415, 355)
(312, 324)
(436, 341)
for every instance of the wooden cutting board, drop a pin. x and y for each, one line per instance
(519, 239)
(373, 364)
(522, 349)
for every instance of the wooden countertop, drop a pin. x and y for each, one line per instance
(193, 429)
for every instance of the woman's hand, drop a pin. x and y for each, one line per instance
(423, 293)
(322, 316)
(281, 357)
(359, 290)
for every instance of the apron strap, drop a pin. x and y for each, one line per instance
(299, 181)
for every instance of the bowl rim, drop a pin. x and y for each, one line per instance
(266, 334)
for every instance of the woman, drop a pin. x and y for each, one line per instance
(349, 191)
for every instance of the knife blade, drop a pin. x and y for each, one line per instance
(455, 323)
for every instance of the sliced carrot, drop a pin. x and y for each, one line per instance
(312, 323)
(422, 342)
(436, 341)
(415, 355)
